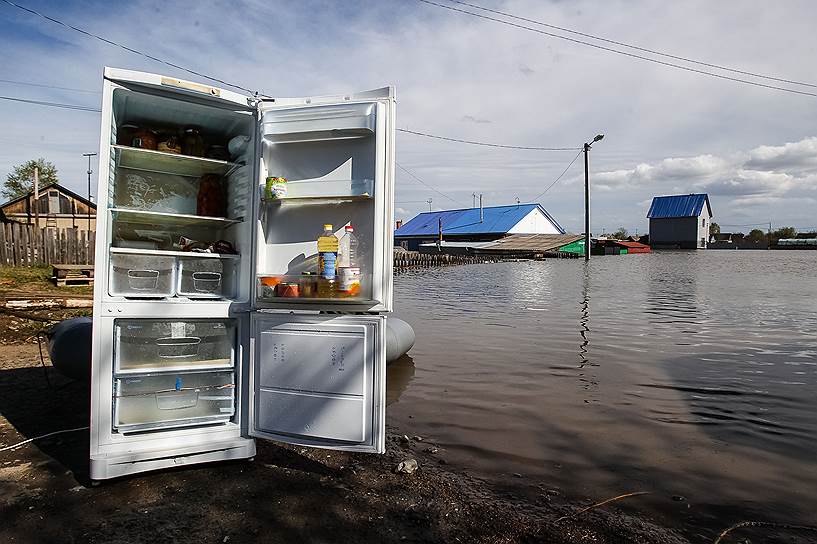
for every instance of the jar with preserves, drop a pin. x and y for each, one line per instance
(193, 142)
(144, 138)
(211, 201)
(125, 133)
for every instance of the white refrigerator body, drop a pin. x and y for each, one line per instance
(328, 387)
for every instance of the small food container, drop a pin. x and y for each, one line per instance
(142, 276)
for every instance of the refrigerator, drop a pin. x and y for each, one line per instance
(213, 326)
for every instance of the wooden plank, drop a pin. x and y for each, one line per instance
(92, 247)
(26, 241)
(3, 261)
(15, 238)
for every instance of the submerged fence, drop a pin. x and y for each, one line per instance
(404, 260)
(25, 245)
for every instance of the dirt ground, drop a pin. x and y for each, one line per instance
(285, 495)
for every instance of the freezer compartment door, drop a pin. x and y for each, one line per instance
(319, 380)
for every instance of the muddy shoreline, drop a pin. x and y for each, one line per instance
(286, 494)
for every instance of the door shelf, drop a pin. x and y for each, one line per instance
(315, 200)
(166, 218)
(169, 163)
(136, 251)
(324, 191)
(315, 300)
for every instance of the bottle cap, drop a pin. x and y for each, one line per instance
(327, 227)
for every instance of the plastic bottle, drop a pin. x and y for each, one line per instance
(327, 253)
(348, 264)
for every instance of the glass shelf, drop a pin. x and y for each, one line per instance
(192, 254)
(148, 160)
(165, 218)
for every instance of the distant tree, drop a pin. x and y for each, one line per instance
(21, 179)
(621, 234)
(756, 235)
(714, 229)
(784, 232)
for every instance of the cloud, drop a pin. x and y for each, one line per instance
(472, 119)
(463, 77)
(527, 70)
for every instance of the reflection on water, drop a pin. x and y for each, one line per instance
(398, 376)
(684, 373)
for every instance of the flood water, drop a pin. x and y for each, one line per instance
(686, 374)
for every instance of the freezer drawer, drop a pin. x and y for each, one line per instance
(142, 276)
(205, 278)
(319, 381)
(144, 345)
(173, 400)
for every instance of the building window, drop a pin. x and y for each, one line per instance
(703, 222)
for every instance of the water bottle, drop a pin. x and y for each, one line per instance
(348, 264)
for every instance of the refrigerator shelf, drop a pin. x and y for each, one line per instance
(152, 368)
(169, 163)
(165, 218)
(136, 251)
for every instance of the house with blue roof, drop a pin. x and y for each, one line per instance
(476, 225)
(680, 221)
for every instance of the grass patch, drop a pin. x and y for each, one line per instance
(18, 280)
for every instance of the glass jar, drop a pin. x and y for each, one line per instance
(124, 136)
(193, 142)
(144, 138)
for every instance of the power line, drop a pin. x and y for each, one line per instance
(644, 49)
(471, 142)
(52, 104)
(403, 168)
(534, 199)
(625, 53)
(126, 48)
(44, 86)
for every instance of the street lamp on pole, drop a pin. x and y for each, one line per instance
(586, 150)
(89, 155)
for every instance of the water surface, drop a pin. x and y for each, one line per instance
(688, 374)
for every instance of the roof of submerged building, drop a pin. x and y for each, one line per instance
(495, 220)
(690, 205)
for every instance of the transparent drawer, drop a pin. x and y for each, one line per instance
(205, 277)
(173, 400)
(151, 345)
(142, 276)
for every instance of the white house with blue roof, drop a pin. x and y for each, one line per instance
(476, 225)
(680, 221)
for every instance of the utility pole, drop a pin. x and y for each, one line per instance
(473, 200)
(36, 198)
(480, 208)
(429, 204)
(586, 150)
(89, 155)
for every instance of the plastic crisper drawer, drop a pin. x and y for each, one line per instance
(152, 345)
(205, 277)
(173, 400)
(319, 123)
(142, 276)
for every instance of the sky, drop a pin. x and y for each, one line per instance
(667, 131)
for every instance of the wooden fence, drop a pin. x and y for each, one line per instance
(24, 245)
(404, 260)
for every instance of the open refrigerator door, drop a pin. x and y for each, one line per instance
(326, 164)
(319, 380)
